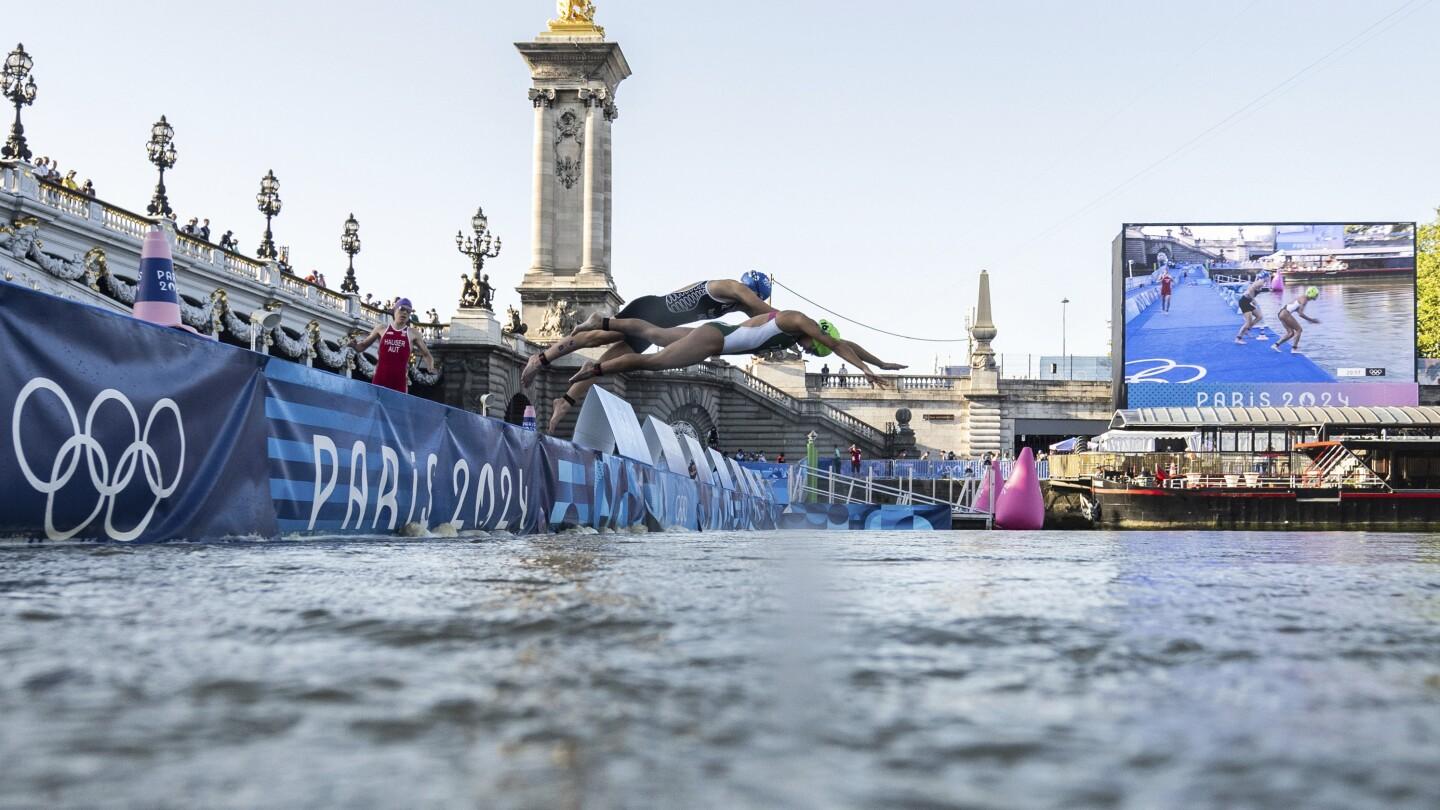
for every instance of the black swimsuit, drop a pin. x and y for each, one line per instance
(678, 308)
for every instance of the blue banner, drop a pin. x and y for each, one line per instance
(865, 517)
(123, 430)
(198, 440)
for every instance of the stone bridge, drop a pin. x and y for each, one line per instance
(64, 243)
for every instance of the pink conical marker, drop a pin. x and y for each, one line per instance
(982, 501)
(1021, 505)
(156, 298)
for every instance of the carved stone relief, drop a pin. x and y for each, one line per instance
(569, 148)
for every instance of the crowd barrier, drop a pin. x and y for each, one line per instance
(121, 430)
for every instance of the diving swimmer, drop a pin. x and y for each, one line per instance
(685, 346)
(703, 301)
(1288, 315)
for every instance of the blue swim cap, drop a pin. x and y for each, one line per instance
(758, 282)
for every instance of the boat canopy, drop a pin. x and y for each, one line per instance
(1192, 418)
(1142, 441)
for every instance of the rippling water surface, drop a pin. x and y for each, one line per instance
(859, 670)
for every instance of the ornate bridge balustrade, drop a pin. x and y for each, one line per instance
(66, 243)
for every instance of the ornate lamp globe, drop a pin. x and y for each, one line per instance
(18, 63)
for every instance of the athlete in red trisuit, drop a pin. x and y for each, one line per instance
(1165, 281)
(392, 369)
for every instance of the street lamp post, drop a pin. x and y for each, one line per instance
(350, 243)
(1064, 357)
(19, 86)
(484, 245)
(268, 201)
(161, 151)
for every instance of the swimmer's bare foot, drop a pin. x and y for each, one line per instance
(590, 324)
(558, 409)
(532, 367)
(588, 371)
(892, 366)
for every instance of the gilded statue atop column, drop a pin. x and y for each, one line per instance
(575, 11)
(574, 19)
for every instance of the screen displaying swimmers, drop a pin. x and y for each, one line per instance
(1219, 313)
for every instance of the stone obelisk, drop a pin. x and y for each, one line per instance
(982, 393)
(574, 72)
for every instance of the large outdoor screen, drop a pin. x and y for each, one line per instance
(1266, 315)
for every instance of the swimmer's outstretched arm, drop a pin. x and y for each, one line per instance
(872, 359)
(793, 322)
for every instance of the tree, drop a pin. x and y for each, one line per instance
(1427, 287)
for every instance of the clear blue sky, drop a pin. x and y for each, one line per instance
(874, 156)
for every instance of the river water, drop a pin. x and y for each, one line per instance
(726, 670)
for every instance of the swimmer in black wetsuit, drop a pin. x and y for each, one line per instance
(703, 301)
(1247, 305)
(685, 346)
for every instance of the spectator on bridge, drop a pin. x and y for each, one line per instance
(694, 473)
(204, 230)
(42, 168)
(925, 455)
(854, 459)
(739, 455)
(311, 278)
(227, 240)
(713, 440)
(824, 375)
(192, 226)
(320, 279)
(88, 189)
(844, 376)
(70, 182)
(760, 457)
(780, 458)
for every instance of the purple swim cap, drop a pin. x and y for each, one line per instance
(404, 302)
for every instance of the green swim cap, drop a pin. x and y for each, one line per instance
(1312, 292)
(820, 349)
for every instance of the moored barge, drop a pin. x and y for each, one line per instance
(1371, 468)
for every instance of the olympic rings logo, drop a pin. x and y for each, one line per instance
(108, 481)
(1156, 373)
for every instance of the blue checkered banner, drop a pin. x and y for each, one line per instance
(864, 517)
(125, 431)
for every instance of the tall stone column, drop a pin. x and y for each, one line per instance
(611, 113)
(593, 217)
(574, 73)
(542, 256)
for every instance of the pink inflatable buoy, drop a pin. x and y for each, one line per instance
(982, 501)
(1021, 505)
